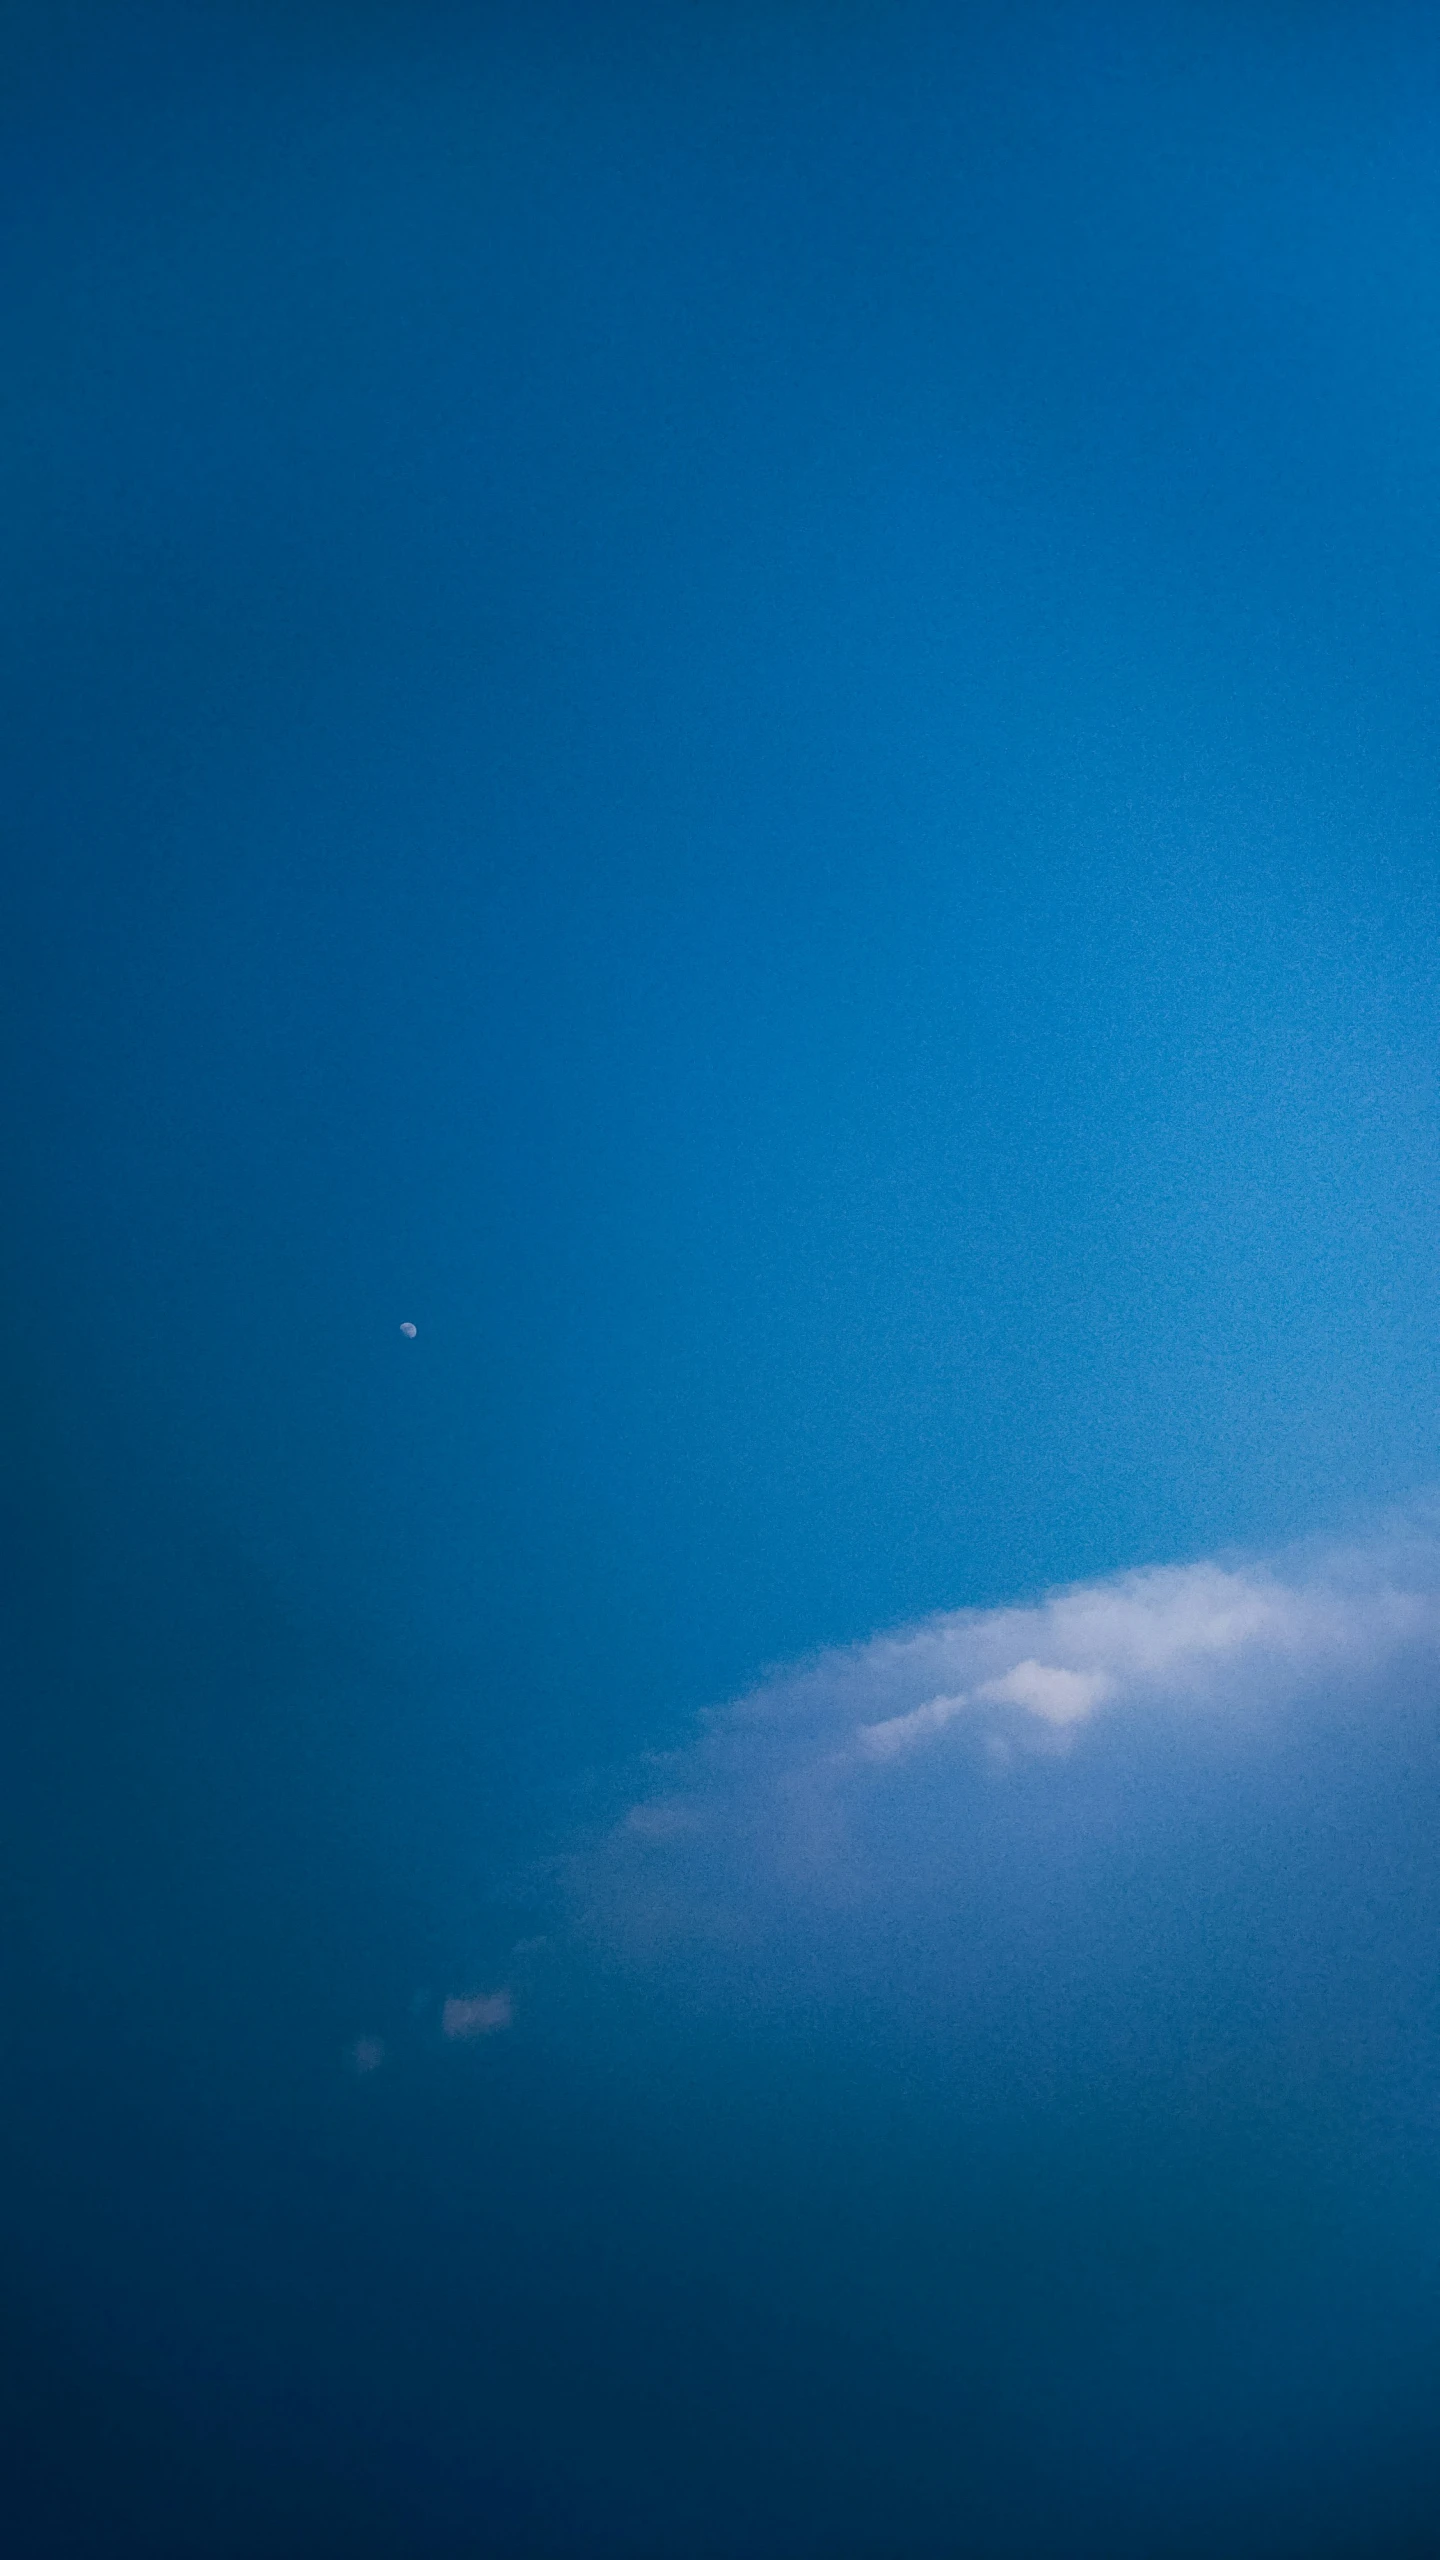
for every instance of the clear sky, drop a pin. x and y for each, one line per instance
(735, 705)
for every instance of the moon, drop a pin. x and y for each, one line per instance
(409, 1332)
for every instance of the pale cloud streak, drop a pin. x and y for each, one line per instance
(482, 2013)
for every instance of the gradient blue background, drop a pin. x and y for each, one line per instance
(738, 704)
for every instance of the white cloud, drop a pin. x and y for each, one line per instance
(1056, 1696)
(899, 1733)
(909, 1793)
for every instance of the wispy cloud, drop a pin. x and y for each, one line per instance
(965, 1797)
(479, 2013)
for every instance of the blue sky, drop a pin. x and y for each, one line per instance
(736, 705)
